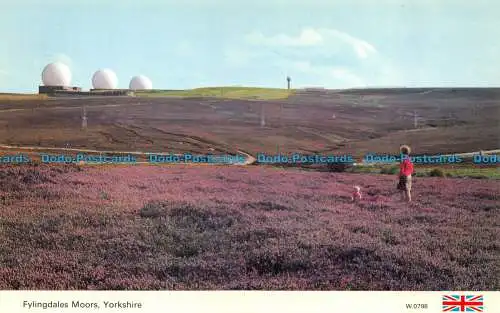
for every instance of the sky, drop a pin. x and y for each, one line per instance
(194, 43)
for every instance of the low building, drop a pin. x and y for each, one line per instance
(52, 90)
(111, 92)
(77, 91)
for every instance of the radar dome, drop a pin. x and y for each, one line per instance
(56, 74)
(104, 79)
(140, 82)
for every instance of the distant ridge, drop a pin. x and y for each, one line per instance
(468, 91)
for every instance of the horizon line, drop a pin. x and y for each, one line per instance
(298, 88)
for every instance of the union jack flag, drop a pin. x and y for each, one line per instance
(456, 303)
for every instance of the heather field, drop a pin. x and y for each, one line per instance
(192, 228)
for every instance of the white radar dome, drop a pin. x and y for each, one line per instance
(104, 79)
(140, 82)
(56, 74)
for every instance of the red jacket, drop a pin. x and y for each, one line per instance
(405, 167)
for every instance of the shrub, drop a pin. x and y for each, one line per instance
(338, 167)
(393, 170)
(437, 172)
(267, 206)
(152, 209)
(479, 176)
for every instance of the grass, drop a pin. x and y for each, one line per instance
(226, 228)
(477, 172)
(21, 97)
(255, 93)
(458, 172)
(222, 92)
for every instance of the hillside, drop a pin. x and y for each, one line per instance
(318, 121)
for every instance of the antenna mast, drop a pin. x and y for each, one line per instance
(262, 115)
(84, 118)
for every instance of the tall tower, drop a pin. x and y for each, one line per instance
(289, 80)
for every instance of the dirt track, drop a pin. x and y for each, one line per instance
(249, 159)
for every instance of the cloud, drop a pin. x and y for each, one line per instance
(241, 55)
(4, 72)
(317, 56)
(307, 37)
(325, 38)
(362, 48)
(346, 76)
(329, 76)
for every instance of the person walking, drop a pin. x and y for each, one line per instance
(405, 173)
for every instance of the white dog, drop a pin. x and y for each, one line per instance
(356, 195)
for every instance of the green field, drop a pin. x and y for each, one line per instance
(255, 93)
(21, 97)
(460, 172)
(222, 92)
